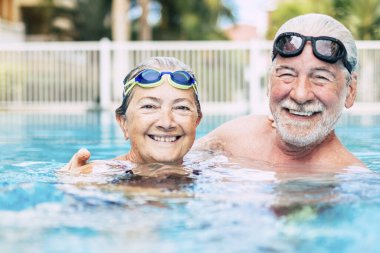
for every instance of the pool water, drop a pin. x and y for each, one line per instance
(224, 207)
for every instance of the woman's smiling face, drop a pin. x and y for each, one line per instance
(160, 123)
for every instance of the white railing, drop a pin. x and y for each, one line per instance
(83, 75)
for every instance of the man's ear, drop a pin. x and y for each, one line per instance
(351, 91)
(122, 121)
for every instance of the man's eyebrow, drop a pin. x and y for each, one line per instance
(281, 67)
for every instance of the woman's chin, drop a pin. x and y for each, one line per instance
(170, 160)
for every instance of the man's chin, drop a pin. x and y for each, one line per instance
(300, 138)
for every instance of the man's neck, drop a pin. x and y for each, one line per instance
(304, 153)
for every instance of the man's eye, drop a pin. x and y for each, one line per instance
(318, 79)
(285, 74)
(322, 77)
(286, 77)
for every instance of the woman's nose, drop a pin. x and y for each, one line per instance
(166, 120)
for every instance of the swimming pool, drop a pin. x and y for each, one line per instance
(225, 207)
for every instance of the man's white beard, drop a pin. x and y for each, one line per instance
(305, 133)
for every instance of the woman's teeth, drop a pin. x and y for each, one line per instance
(164, 138)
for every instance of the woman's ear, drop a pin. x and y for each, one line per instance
(351, 91)
(200, 116)
(122, 121)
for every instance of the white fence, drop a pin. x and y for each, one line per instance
(85, 75)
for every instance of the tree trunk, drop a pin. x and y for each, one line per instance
(145, 32)
(120, 20)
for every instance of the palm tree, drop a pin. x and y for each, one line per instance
(362, 17)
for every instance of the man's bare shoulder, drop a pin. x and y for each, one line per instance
(247, 123)
(239, 128)
(340, 155)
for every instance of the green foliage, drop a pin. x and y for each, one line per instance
(288, 9)
(190, 20)
(88, 20)
(180, 20)
(361, 17)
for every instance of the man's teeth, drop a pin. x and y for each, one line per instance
(301, 113)
(164, 139)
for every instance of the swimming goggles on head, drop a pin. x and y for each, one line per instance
(149, 78)
(325, 48)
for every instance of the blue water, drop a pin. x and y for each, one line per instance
(226, 207)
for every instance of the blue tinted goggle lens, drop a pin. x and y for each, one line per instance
(148, 76)
(151, 76)
(182, 77)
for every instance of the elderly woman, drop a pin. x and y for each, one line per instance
(159, 114)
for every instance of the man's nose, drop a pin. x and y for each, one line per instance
(302, 91)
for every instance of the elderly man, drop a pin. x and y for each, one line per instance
(313, 76)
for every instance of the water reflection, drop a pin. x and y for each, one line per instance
(212, 203)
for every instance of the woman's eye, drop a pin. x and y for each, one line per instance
(183, 107)
(148, 106)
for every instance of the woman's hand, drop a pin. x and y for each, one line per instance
(79, 159)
